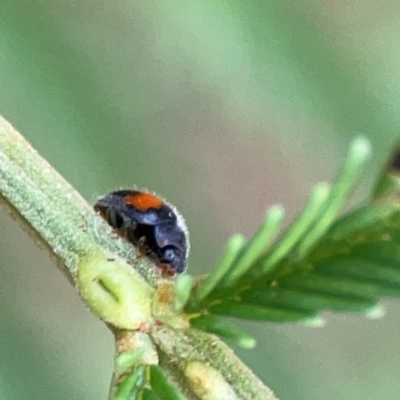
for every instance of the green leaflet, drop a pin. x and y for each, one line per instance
(298, 228)
(336, 285)
(321, 262)
(359, 152)
(129, 387)
(126, 361)
(161, 386)
(259, 312)
(148, 394)
(183, 286)
(367, 218)
(382, 252)
(224, 328)
(307, 300)
(361, 270)
(232, 249)
(257, 246)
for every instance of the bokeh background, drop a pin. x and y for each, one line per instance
(224, 108)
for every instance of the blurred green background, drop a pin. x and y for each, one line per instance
(224, 108)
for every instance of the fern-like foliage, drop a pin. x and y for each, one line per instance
(321, 262)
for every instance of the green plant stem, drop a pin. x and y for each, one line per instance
(59, 220)
(184, 346)
(51, 211)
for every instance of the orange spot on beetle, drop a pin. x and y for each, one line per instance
(143, 201)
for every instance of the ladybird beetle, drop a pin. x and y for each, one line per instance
(149, 223)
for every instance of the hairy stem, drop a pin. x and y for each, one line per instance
(60, 221)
